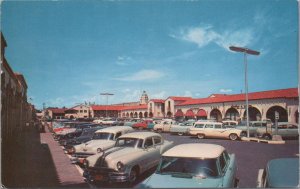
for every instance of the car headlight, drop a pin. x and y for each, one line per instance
(120, 166)
(99, 150)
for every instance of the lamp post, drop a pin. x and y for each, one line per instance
(106, 94)
(252, 52)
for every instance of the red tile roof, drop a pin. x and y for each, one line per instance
(139, 107)
(158, 100)
(58, 110)
(179, 98)
(281, 93)
(109, 107)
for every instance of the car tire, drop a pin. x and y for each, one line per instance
(133, 175)
(200, 136)
(159, 130)
(180, 134)
(267, 136)
(233, 136)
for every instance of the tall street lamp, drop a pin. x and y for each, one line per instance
(252, 52)
(106, 94)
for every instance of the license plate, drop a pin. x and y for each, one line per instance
(98, 177)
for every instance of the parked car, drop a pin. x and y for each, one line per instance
(109, 121)
(130, 122)
(181, 128)
(133, 154)
(102, 140)
(214, 130)
(279, 173)
(142, 125)
(285, 130)
(163, 126)
(194, 166)
(230, 123)
(253, 126)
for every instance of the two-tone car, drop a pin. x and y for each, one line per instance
(285, 130)
(163, 126)
(214, 130)
(102, 140)
(253, 126)
(181, 128)
(194, 166)
(133, 154)
(279, 173)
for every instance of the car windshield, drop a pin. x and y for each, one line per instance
(104, 136)
(129, 142)
(194, 167)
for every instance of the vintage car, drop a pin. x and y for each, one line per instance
(102, 140)
(130, 122)
(214, 130)
(133, 154)
(194, 166)
(163, 126)
(109, 121)
(181, 128)
(86, 135)
(285, 130)
(253, 126)
(142, 125)
(279, 173)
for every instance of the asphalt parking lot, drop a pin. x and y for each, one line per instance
(251, 156)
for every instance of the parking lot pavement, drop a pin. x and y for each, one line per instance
(67, 173)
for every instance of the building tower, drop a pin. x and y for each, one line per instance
(144, 98)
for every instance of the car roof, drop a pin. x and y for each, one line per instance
(283, 172)
(114, 129)
(141, 135)
(195, 150)
(208, 122)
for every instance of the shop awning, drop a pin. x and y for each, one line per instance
(201, 113)
(179, 113)
(189, 113)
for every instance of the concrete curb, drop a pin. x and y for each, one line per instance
(252, 139)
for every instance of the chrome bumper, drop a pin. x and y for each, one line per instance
(94, 175)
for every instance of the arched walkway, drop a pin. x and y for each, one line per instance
(146, 114)
(283, 116)
(216, 114)
(140, 115)
(169, 114)
(135, 114)
(150, 114)
(254, 114)
(232, 114)
(131, 114)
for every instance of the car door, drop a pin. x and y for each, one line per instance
(227, 170)
(150, 153)
(218, 131)
(292, 130)
(209, 130)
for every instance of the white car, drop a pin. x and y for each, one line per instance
(214, 130)
(109, 121)
(102, 140)
(133, 154)
(163, 126)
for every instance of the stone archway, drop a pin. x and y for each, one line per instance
(146, 114)
(232, 114)
(140, 115)
(283, 116)
(201, 114)
(127, 114)
(135, 114)
(150, 114)
(254, 114)
(169, 114)
(216, 114)
(131, 114)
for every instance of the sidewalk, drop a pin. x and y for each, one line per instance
(36, 160)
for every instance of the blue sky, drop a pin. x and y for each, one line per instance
(71, 51)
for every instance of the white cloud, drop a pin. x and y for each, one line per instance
(225, 90)
(123, 60)
(203, 36)
(159, 95)
(57, 102)
(188, 94)
(142, 75)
